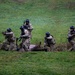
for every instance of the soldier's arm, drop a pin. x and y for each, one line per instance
(30, 27)
(26, 35)
(4, 33)
(53, 40)
(70, 35)
(8, 33)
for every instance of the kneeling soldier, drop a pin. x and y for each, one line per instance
(9, 43)
(49, 42)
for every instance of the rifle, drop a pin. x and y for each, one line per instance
(17, 39)
(4, 33)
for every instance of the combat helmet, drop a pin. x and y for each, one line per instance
(72, 27)
(47, 34)
(9, 30)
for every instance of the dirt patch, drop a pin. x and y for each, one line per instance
(63, 47)
(70, 5)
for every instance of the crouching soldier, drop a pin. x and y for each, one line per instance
(24, 46)
(71, 37)
(49, 42)
(9, 43)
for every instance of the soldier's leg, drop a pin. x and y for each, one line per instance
(12, 46)
(5, 45)
(21, 49)
(47, 47)
(26, 44)
(23, 45)
(69, 46)
(73, 44)
(52, 47)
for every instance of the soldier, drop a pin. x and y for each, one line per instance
(24, 46)
(71, 36)
(30, 28)
(9, 43)
(49, 42)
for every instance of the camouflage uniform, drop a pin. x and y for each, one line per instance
(9, 43)
(71, 38)
(30, 28)
(49, 43)
(24, 46)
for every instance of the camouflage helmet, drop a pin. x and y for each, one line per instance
(72, 27)
(9, 30)
(47, 34)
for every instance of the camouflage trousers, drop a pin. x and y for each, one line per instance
(30, 35)
(50, 48)
(12, 46)
(72, 42)
(8, 45)
(25, 44)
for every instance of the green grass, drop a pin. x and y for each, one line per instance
(37, 63)
(52, 16)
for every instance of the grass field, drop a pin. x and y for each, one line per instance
(37, 63)
(54, 16)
